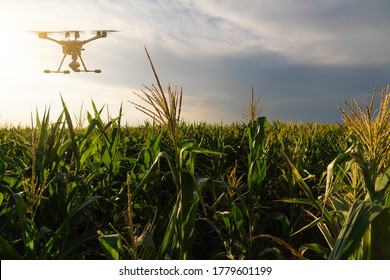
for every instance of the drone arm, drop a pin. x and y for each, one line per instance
(99, 35)
(92, 39)
(43, 35)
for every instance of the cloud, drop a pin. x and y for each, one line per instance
(302, 31)
(326, 32)
(310, 31)
(299, 55)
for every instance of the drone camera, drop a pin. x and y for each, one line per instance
(74, 65)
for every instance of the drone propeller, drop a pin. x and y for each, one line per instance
(75, 31)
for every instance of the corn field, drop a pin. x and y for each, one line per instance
(173, 190)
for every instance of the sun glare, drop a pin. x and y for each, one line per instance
(12, 54)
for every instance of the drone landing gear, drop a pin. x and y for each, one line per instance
(50, 71)
(74, 65)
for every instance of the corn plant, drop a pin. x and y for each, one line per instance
(45, 207)
(353, 213)
(371, 155)
(178, 238)
(166, 108)
(257, 162)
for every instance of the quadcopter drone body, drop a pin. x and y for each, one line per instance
(72, 46)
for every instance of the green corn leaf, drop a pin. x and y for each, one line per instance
(382, 188)
(72, 134)
(368, 178)
(27, 226)
(188, 187)
(7, 252)
(153, 169)
(387, 198)
(86, 203)
(327, 227)
(72, 246)
(196, 150)
(314, 223)
(327, 234)
(202, 183)
(360, 216)
(383, 181)
(111, 245)
(188, 209)
(239, 220)
(284, 221)
(380, 236)
(168, 239)
(64, 148)
(302, 184)
(319, 249)
(341, 158)
(45, 254)
(305, 201)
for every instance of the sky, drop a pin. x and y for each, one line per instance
(304, 58)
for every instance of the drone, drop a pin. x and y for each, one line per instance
(73, 46)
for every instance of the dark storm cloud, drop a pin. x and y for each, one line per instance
(300, 91)
(289, 91)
